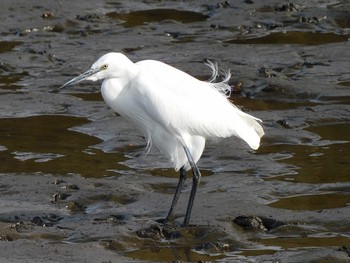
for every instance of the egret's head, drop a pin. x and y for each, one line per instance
(111, 65)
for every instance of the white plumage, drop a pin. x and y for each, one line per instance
(175, 111)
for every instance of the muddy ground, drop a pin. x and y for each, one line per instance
(74, 185)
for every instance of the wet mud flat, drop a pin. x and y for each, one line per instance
(74, 185)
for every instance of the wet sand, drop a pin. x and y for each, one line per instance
(74, 184)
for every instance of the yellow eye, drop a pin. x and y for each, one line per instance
(105, 66)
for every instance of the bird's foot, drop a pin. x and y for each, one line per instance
(159, 231)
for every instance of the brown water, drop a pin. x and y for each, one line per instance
(74, 182)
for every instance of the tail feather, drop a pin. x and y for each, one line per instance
(233, 122)
(250, 130)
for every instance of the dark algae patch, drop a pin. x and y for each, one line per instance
(292, 37)
(142, 17)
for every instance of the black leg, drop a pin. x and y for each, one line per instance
(177, 194)
(196, 178)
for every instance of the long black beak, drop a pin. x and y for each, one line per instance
(80, 78)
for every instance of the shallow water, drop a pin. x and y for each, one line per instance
(73, 175)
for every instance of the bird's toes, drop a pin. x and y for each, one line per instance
(159, 232)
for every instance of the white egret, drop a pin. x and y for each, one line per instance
(175, 111)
